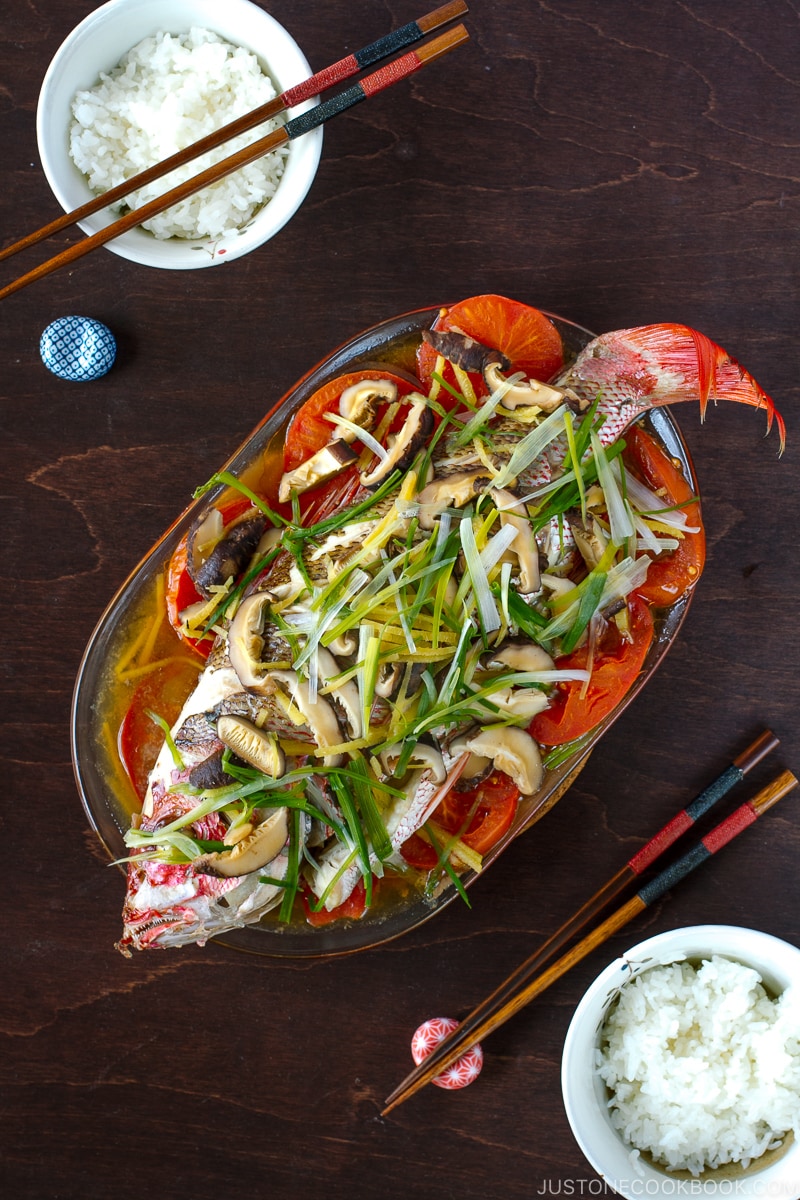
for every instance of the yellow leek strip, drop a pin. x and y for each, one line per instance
(485, 528)
(463, 854)
(195, 624)
(148, 667)
(161, 612)
(376, 735)
(661, 527)
(391, 654)
(465, 383)
(369, 677)
(569, 426)
(484, 456)
(290, 708)
(436, 387)
(148, 633)
(438, 607)
(110, 743)
(423, 622)
(526, 413)
(366, 456)
(133, 649)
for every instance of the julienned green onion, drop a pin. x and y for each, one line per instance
(364, 788)
(292, 875)
(619, 514)
(326, 619)
(443, 861)
(168, 739)
(359, 432)
(531, 446)
(575, 458)
(486, 411)
(488, 615)
(587, 607)
(356, 831)
(226, 478)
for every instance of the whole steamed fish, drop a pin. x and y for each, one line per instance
(453, 573)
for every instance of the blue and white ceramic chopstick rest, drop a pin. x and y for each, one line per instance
(78, 348)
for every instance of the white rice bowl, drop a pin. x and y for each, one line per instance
(702, 1065)
(167, 92)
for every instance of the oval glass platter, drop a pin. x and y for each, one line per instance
(99, 705)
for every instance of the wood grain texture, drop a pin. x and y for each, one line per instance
(619, 163)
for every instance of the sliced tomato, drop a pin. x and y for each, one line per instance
(309, 431)
(351, 909)
(676, 571)
(494, 803)
(419, 853)
(180, 591)
(617, 662)
(527, 337)
(140, 739)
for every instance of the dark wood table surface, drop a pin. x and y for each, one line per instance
(619, 163)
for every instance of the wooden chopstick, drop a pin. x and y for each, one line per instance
(613, 887)
(320, 82)
(473, 1028)
(370, 85)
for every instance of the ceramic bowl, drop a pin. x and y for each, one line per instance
(98, 44)
(585, 1096)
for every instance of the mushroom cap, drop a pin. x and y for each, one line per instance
(449, 491)
(406, 442)
(251, 853)
(246, 641)
(326, 463)
(512, 750)
(528, 392)
(359, 404)
(257, 747)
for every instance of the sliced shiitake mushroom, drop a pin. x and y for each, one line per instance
(449, 491)
(318, 713)
(519, 655)
(528, 392)
(257, 747)
(463, 351)
(477, 768)
(211, 562)
(210, 773)
(251, 853)
(246, 641)
(424, 757)
(359, 403)
(512, 750)
(326, 463)
(403, 445)
(513, 512)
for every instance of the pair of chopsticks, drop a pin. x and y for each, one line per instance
(345, 68)
(534, 976)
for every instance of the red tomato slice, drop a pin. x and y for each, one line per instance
(352, 908)
(497, 799)
(419, 853)
(674, 572)
(524, 334)
(617, 662)
(309, 431)
(140, 739)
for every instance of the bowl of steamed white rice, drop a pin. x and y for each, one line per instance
(681, 1066)
(139, 80)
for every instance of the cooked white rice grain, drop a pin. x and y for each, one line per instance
(703, 1066)
(167, 92)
